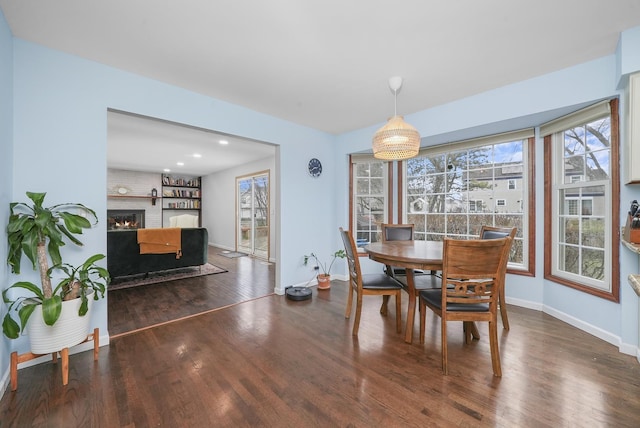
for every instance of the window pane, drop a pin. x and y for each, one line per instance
(435, 223)
(599, 134)
(593, 263)
(593, 232)
(574, 141)
(598, 165)
(369, 200)
(569, 231)
(480, 185)
(573, 169)
(569, 259)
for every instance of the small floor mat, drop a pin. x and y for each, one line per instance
(232, 254)
(163, 276)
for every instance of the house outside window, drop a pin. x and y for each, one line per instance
(475, 206)
(451, 190)
(369, 197)
(581, 151)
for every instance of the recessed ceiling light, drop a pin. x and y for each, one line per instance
(197, 155)
(180, 163)
(166, 170)
(224, 142)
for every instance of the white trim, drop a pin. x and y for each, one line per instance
(623, 348)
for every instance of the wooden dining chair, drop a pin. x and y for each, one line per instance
(404, 232)
(493, 232)
(472, 273)
(379, 284)
(397, 232)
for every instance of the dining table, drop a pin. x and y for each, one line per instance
(410, 255)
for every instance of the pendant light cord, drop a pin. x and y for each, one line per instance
(395, 102)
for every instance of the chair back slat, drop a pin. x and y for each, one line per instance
(473, 270)
(353, 261)
(397, 232)
(495, 232)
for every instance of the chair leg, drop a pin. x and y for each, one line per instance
(495, 352)
(385, 303)
(347, 312)
(398, 312)
(356, 321)
(467, 332)
(445, 368)
(423, 319)
(503, 308)
(470, 330)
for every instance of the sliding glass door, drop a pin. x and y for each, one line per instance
(253, 214)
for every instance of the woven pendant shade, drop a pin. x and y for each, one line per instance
(397, 140)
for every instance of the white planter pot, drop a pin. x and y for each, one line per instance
(69, 330)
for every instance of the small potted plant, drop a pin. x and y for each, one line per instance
(38, 232)
(324, 278)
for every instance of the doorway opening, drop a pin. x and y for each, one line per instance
(252, 230)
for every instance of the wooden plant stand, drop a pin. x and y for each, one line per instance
(64, 353)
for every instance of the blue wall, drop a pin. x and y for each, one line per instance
(59, 112)
(6, 156)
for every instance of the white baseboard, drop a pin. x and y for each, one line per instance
(224, 247)
(624, 348)
(608, 337)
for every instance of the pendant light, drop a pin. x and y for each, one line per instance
(397, 140)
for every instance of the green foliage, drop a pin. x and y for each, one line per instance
(39, 232)
(90, 279)
(31, 226)
(326, 266)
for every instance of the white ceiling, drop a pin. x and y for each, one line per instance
(326, 63)
(137, 143)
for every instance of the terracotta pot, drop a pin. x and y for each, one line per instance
(69, 330)
(324, 281)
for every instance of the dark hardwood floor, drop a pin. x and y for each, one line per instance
(132, 309)
(273, 362)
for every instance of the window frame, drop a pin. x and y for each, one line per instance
(551, 194)
(528, 267)
(387, 191)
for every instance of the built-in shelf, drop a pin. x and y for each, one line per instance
(181, 193)
(133, 196)
(633, 279)
(153, 198)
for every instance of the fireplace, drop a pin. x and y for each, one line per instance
(125, 219)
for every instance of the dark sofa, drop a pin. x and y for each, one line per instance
(124, 258)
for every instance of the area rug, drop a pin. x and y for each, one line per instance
(163, 276)
(232, 254)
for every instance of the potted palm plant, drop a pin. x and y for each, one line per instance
(54, 317)
(324, 278)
